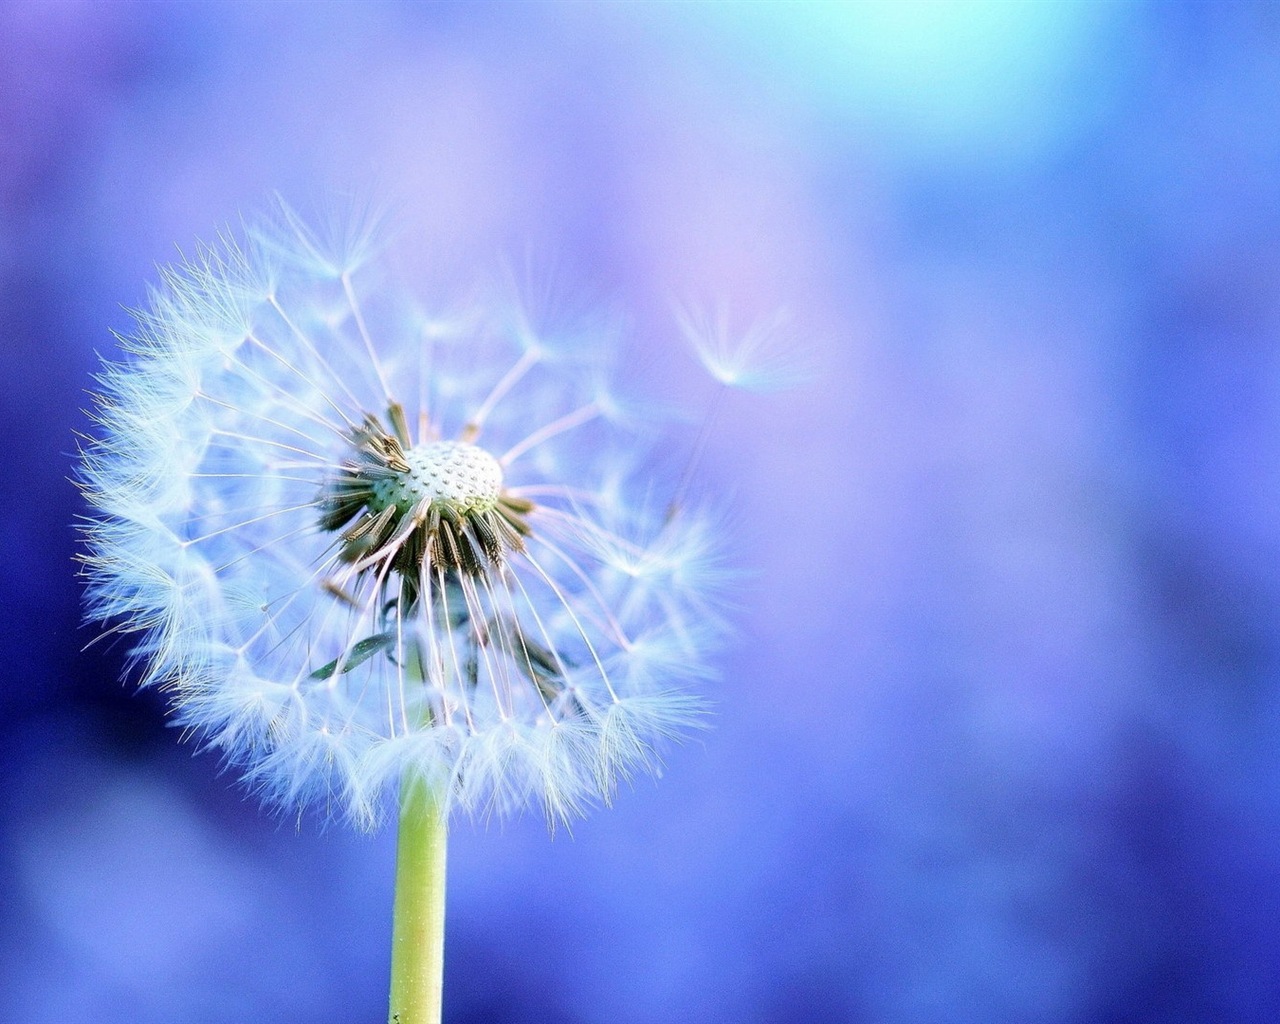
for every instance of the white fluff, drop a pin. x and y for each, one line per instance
(217, 439)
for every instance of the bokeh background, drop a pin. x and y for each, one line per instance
(1000, 740)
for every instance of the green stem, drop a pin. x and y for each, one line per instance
(417, 941)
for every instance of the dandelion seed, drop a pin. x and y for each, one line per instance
(759, 357)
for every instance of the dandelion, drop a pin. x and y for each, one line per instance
(370, 548)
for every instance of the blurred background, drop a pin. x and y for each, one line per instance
(1000, 741)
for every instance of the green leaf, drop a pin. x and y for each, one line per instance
(361, 651)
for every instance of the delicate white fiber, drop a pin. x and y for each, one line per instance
(325, 662)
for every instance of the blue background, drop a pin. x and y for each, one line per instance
(999, 740)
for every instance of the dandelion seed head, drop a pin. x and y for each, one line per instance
(354, 541)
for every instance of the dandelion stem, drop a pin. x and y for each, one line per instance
(417, 942)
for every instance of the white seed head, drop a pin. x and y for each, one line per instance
(455, 472)
(257, 522)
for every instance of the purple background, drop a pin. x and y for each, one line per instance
(999, 742)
